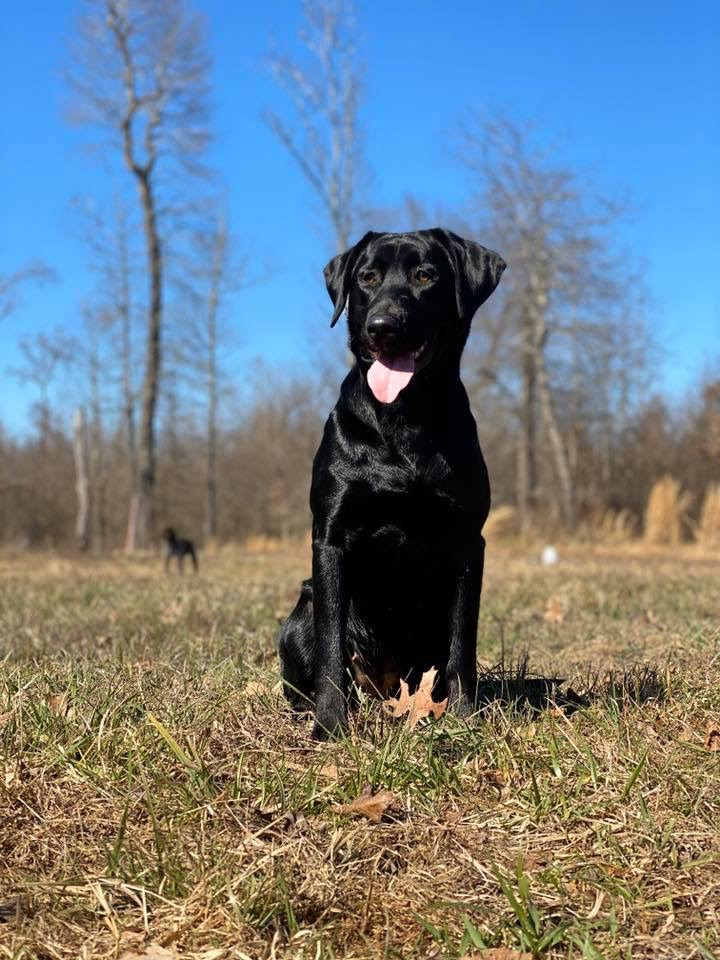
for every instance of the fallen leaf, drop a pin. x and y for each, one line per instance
(419, 704)
(368, 804)
(536, 859)
(132, 935)
(650, 731)
(153, 951)
(712, 737)
(496, 778)
(554, 610)
(58, 704)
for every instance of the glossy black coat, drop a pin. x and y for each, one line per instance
(400, 490)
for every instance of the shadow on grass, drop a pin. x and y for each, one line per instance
(514, 685)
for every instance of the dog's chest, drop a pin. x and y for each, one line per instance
(405, 499)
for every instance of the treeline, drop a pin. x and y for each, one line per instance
(264, 460)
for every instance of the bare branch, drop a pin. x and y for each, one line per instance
(11, 284)
(325, 96)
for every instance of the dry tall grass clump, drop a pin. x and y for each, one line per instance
(666, 512)
(708, 528)
(610, 526)
(502, 523)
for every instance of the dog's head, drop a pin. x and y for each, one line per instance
(410, 298)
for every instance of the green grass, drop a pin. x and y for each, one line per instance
(155, 790)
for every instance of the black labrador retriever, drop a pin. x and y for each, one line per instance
(399, 490)
(178, 548)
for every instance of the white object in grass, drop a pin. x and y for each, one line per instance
(549, 556)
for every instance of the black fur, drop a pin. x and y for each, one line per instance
(175, 547)
(400, 490)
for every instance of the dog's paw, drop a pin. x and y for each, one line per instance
(324, 730)
(330, 721)
(459, 702)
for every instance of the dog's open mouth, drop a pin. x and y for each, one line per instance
(392, 372)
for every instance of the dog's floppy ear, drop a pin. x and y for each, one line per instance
(339, 273)
(477, 271)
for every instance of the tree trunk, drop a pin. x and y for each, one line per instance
(146, 447)
(547, 408)
(527, 440)
(128, 399)
(212, 382)
(98, 476)
(562, 467)
(82, 520)
(211, 486)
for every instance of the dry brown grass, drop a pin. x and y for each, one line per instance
(502, 524)
(610, 526)
(666, 517)
(708, 528)
(154, 789)
(260, 543)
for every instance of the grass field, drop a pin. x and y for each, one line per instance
(157, 800)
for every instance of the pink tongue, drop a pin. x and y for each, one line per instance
(388, 375)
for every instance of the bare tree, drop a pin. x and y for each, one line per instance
(568, 295)
(91, 358)
(324, 138)
(211, 274)
(139, 72)
(108, 236)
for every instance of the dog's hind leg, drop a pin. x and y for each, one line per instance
(296, 647)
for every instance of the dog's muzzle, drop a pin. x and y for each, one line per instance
(384, 331)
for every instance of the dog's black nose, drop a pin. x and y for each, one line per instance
(383, 328)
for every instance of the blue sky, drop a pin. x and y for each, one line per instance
(631, 90)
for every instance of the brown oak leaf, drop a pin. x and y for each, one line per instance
(419, 704)
(712, 737)
(368, 804)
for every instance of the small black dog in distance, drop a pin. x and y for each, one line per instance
(175, 547)
(400, 490)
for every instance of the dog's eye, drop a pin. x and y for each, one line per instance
(422, 276)
(369, 277)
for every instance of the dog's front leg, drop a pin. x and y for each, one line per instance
(330, 606)
(465, 609)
